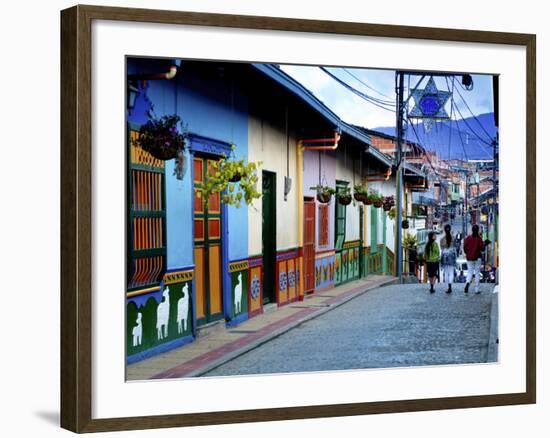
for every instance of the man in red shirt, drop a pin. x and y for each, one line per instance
(473, 248)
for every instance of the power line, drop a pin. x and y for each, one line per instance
(451, 116)
(357, 92)
(471, 112)
(470, 128)
(427, 155)
(482, 141)
(367, 85)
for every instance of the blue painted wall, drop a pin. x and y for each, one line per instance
(213, 108)
(217, 110)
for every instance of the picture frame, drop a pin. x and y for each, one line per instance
(77, 167)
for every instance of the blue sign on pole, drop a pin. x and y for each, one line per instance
(429, 103)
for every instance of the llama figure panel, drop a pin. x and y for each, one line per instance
(183, 309)
(137, 331)
(238, 294)
(163, 312)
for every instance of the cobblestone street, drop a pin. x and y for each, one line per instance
(392, 326)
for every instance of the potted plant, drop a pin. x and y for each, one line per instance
(324, 193)
(409, 241)
(392, 213)
(222, 178)
(405, 224)
(344, 196)
(388, 203)
(360, 193)
(375, 198)
(161, 136)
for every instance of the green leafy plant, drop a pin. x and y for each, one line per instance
(392, 213)
(343, 194)
(324, 193)
(409, 241)
(235, 180)
(375, 198)
(360, 193)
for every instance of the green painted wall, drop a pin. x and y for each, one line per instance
(152, 336)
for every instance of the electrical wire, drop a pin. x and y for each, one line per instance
(364, 96)
(473, 115)
(480, 140)
(470, 128)
(367, 85)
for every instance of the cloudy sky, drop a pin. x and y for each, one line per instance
(380, 84)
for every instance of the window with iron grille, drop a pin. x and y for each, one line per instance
(146, 225)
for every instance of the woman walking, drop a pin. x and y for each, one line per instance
(431, 255)
(448, 258)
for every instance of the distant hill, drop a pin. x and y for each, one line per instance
(463, 142)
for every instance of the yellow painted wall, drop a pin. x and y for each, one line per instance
(267, 142)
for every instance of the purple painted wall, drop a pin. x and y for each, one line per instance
(328, 177)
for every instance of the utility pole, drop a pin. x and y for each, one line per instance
(400, 76)
(495, 200)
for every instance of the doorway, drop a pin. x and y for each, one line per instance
(309, 244)
(207, 219)
(269, 234)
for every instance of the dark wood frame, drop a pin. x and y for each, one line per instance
(76, 224)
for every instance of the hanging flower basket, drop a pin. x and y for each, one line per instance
(343, 195)
(367, 201)
(360, 197)
(375, 199)
(323, 197)
(360, 193)
(324, 193)
(161, 138)
(344, 200)
(389, 202)
(223, 176)
(235, 178)
(405, 224)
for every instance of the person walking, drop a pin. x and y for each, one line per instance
(473, 248)
(448, 258)
(431, 255)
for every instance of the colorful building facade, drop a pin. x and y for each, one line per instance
(194, 262)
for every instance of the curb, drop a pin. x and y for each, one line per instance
(492, 347)
(276, 333)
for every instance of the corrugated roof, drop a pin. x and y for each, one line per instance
(275, 73)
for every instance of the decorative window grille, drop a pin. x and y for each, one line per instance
(146, 262)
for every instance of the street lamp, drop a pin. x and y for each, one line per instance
(132, 94)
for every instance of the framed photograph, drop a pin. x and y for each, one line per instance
(269, 218)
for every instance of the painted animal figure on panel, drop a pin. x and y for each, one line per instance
(238, 294)
(183, 309)
(163, 312)
(137, 331)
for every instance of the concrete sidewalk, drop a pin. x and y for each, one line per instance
(222, 345)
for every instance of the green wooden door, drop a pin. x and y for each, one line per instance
(269, 234)
(340, 236)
